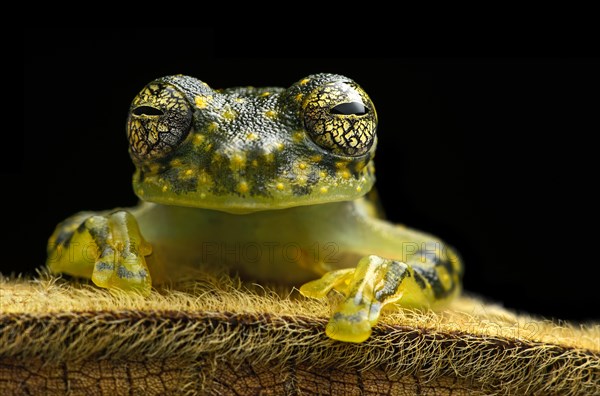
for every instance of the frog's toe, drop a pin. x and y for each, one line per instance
(319, 288)
(352, 322)
(123, 271)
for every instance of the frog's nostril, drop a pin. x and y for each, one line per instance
(147, 111)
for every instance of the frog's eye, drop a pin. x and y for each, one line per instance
(159, 119)
(340, 117)
(355, 108)
(147, 111)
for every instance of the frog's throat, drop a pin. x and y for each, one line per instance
(244, 196)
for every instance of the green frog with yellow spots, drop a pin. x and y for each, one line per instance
(273, 184)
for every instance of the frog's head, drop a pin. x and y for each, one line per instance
(248, 149)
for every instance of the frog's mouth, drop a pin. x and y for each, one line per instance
(193, 188)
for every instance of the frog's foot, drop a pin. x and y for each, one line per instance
(374, 283)
(109, 249)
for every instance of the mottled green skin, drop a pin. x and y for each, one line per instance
(248, 149)
(268, 183)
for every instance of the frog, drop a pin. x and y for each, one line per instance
(273, 184)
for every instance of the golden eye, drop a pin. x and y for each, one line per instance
(159, 119)
(340, 117)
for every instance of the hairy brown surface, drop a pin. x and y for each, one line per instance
(217, 337)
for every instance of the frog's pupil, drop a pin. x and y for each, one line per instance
(355, 108)
(147, 110)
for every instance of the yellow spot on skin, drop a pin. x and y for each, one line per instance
(198, 139)
(242, 187)
(343, 171)
(323, 190)
(298, 136)
(201, 102)
(254, 163)
(322, 174)
(251, 136)
(239, 100)
(165, 188)
(304, 81)
(302, 165)
(269, 157)
(298, 97)
(301, 180)
(238, 162)
(358, 189)
(279, 186)
(280, 146)
(153, 87)
(316, 158)
(271, 114)
(213, 126)
(266, 93)
(202, 195)
(208, 147)
(344, 174)
(188, 172)
(229, 114)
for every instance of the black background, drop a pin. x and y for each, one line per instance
(492, 153)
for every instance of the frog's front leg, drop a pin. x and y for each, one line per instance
(375, 283)
(106, 247)
(408, 269)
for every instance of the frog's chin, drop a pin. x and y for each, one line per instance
(246, 202)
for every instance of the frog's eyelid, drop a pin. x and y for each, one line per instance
(147, 111)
